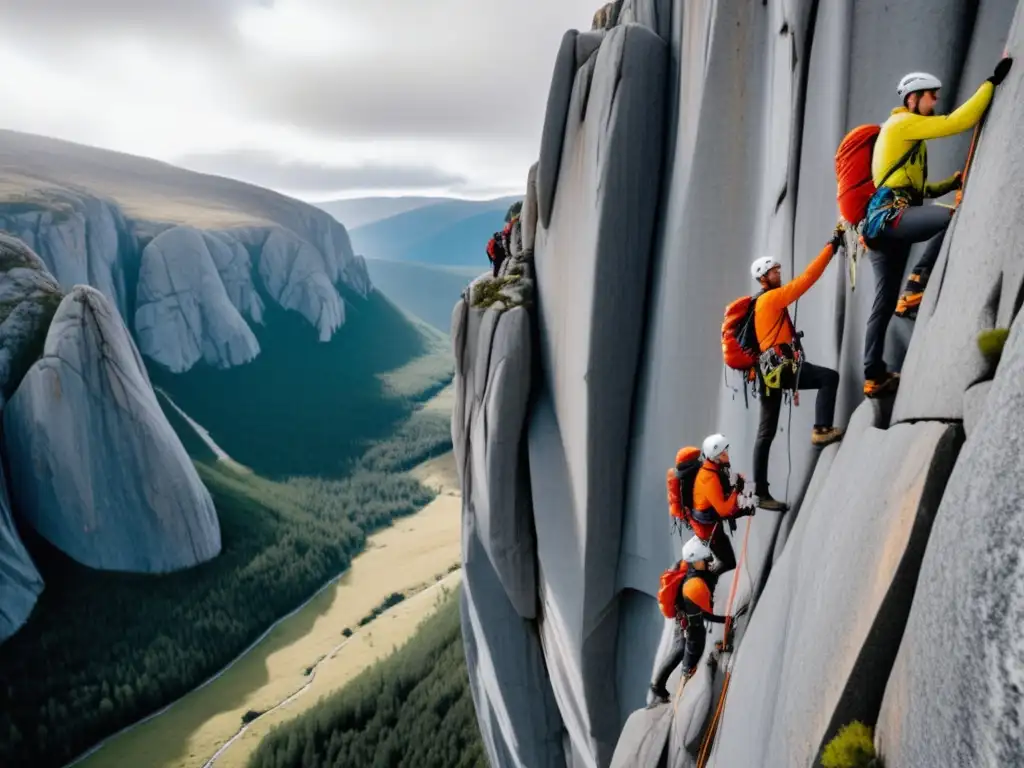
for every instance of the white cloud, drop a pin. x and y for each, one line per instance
(454, 88)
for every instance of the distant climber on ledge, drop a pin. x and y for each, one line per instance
(782, 367)
(718, 499)
(686, 596)
(496, 252)
(896, 216)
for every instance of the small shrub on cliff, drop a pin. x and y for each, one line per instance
(852, 747)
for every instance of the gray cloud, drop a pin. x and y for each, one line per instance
(470, 72)
(268, 170)
(58, 19)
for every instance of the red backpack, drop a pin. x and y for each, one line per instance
(854, 184)
(668, 592)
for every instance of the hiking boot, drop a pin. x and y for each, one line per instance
(911, 297)
(882, 386)
(826, 435)
(765, 501)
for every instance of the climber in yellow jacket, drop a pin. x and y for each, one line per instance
(896, 217)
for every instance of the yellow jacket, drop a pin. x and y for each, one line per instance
(903, 128)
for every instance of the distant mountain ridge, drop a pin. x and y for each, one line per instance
(451, 232)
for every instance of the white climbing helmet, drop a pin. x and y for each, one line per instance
(695, 550)
(714, 446)
(763, 266)
(917, 81)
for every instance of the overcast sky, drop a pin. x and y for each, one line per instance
(320, 99)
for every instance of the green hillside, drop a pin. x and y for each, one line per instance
(304, 407)
(103, 649)
(424, 290)
(414, 708)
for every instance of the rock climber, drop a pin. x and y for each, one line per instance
(718, 499)
(496, 253)
(693, 606)
(896, 216)
(782, 367)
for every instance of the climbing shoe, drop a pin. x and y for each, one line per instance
(660, 695)
(880, 387)
(826, 435)
(910, 299)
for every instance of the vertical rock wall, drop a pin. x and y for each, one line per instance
(749, 113)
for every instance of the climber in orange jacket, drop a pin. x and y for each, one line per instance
(782, 366)
(693, 606)
(717, 499)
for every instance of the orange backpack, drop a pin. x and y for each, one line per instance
(679, 481)
(739, 337)
(668, 592)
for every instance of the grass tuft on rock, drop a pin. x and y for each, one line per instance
(991, 343)
(852, 747)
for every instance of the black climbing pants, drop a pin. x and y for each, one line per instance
(721, 547)
(687, 647)
(811, 376)
(888, 255)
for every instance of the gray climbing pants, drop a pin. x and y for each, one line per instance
(888, 254)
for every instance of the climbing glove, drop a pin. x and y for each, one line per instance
(1001, 69)
(837, 237)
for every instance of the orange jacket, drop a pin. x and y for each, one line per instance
(707, 495)
(771, 320)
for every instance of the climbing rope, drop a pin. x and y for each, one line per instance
(970, 157)
(705, 748)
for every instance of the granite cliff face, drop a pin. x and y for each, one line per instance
(187, 259)
(682, 140)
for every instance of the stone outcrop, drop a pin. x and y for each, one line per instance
(29, 296)
(297, 277)
(95, 467)
(81, 239)
(183, 312)
(627, 368)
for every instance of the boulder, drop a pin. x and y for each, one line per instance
(296, 276)
(863, 539)
(96, 468)
(954, 694)
(183, 313)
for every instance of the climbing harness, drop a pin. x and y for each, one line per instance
(709, 735)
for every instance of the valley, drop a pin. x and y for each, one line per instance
(413, 557)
